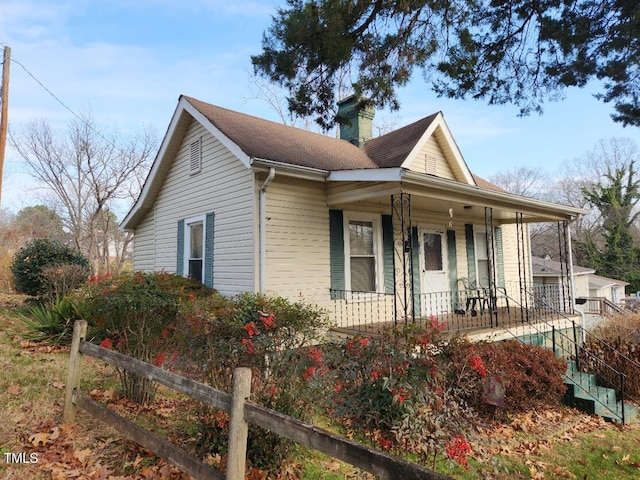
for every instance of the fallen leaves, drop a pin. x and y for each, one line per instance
(55, 445)
(14, 390)
(39, 347)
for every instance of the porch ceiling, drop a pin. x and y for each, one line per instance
(438, 197)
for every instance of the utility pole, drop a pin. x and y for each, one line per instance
(4, 120)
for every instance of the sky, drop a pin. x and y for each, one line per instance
(127, 62)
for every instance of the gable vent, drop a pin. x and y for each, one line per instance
(430, 165)
(195, 157)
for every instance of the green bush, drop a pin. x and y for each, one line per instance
(136, 314)
(392, 389)
(30, 261)
(423, 393)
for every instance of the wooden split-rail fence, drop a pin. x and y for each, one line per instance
(241, 410)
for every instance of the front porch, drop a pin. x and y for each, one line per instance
(470, 312)
(403, 251)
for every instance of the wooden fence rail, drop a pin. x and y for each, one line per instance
(241, 411)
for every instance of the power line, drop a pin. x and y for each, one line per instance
(48, 91)
(57, 99)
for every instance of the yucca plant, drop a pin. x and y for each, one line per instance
(51, 323)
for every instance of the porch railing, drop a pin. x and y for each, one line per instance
(462, 310)
(362, 311)
(604, 307)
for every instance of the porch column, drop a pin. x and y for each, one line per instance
(491, 256)
(566, 264)
(404, 297)
(523, 261)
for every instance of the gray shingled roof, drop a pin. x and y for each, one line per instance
(393, 148)
(542, 267)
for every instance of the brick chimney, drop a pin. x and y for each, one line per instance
(356, 120)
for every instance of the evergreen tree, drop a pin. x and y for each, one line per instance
(510, 51)
(616, 199)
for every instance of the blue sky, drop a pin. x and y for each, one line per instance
(128, 62)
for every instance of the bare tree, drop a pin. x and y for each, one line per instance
(528, 182)
(88, 174)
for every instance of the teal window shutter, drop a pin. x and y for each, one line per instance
(500, 255)
(387, 247)
(453, 267)
(336, 254)
(208, 250)
(415, 271)
(180, 255)
(471, 253)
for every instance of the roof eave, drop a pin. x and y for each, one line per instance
(289, 169)
(494, 198)
(144, 202)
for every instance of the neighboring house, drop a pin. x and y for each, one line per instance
(549, 277)
(371, 229)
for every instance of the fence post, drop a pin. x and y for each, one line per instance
(238, 426)
(73, 375)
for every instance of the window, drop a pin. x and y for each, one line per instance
(194, 248)
(482, 258)
(195, 251)
(432, 243)
(362, 244)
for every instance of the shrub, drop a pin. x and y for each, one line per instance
(6, 276)
(393, 389)
(51, 323)
(29, 262)
(423, 393)
(533, 376)
(270, 335)
(623, 334)
(59, 280)
(136, 314)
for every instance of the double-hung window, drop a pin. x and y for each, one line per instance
(362, 252)
(482, 258)
(194, 252)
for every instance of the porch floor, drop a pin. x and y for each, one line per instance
(501, 325)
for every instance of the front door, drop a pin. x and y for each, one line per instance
(435, 276)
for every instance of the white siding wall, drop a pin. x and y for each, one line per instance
(224, 186)
(510, 255)
(298, 241)
(432, 149)
(582, 285)
(144, 245)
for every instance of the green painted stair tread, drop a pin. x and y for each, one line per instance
(614, 412)
(585, 380)
(601, 394)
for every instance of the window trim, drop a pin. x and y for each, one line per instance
(378, 251)
(187, 243)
